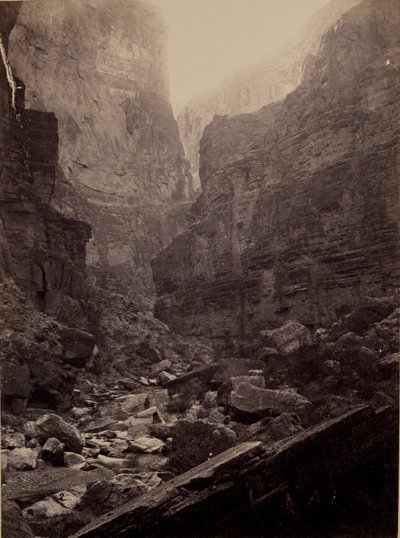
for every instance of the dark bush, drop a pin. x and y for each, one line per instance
(193, 443)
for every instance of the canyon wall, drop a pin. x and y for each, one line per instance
(298, 218)
(43, 286)
(100, 67)
(267, 81)
(42, 250)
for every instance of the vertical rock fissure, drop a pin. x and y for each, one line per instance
(9, 74)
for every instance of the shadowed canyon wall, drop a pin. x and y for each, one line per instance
(298, 218)
(41, 249)
(248, 89)
(99, 66)
(93, 182)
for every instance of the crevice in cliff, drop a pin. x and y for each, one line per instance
(9, 74)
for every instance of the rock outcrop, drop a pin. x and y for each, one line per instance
(298, 218)
(249, 89)
(100, 67)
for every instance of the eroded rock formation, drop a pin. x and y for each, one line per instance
(249, 89)
(99, 66)
(299, 213)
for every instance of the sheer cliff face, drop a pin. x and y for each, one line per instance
(299, 213)
(99, 66)
(268, 81)
(40, 248)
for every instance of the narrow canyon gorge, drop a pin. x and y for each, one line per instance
(199, 317)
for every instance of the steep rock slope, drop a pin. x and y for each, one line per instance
(268, 81)
(99, 66)
(299, 213)
(42, 253)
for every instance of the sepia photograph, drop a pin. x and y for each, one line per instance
(199, 268)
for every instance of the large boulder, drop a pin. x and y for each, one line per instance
(60, 504)
(290, 337)
(251, 399)
(52, 425)
(53, 451)
(133, 403)
(77, 346)
(371, 310)
(105, 495)
(147, 444)
(23, 459)
(12, 522)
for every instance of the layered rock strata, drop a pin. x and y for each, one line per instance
(268, 81)
(299, 213)
(99, 66)
(42, 252)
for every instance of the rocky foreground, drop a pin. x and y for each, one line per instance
(117, 442)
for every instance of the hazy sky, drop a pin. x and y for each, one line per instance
(210, 38)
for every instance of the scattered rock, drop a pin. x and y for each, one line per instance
(105, 495)
(147, 444)
(290, 337)
(33, 443)
(147, 413)
(53, 451)
(80, 412)
(251, 399)
(210, 398)
(23, 459)
(31, 430)
(46, 509)
(120, 445)
(165, 377)
(12, 440)
(216, 416)
(144, 381)
(73, 460)
(165, 364)
(52, 425)
(225, 431)
(133, 403)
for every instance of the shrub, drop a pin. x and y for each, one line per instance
(193, 443)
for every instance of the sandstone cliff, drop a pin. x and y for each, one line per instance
(42, 254)
(99, 66)
(299, 213)
(269, 80)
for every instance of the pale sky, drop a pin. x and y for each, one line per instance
(210, 38)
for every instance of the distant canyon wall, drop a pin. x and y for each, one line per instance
(100, 67)
(299, 215)
(249, 89)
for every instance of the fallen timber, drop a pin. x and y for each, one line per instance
(246, 485)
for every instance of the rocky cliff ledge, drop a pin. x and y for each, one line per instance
(299, 213)
(268, 81)
(99, 66)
